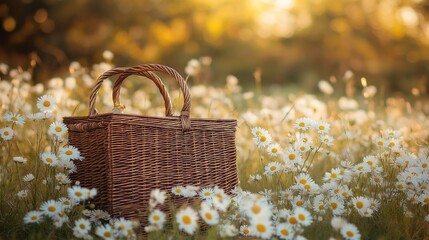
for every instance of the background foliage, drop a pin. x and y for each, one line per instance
(302, 41)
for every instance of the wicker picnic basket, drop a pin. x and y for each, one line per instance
(127, 156)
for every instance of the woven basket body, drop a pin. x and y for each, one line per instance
(127, 156)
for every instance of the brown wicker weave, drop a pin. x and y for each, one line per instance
(127, 156)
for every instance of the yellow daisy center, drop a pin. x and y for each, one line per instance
(305, 139)
(307, 186)
(359, 205)
(69, 152)
(186, 219)
(208, 216)
(301, 217)
(391, 144)
(293, 220)
(49, 160)
(321, 207)
(333, 175)
(256, 209)
(272, 168)
(263, 138)
(426, 200)
(302, 124)
(321, 127)
(52, 209)
(178, 190)
(424, 165)
(34, 217)
(78, 194)
(58, 129)
(66, 203)
(344, 194)
(238, 215)
(299, 203)
(82, 226)
(377, 180)
(246, 231)
(156, 218)
(258, 133)
(349, 234)
(274, 150)
(334, 205)
(360, 168)
(261, 228)
(302, 148)
(292, 156)
(14, 119)
(207, 194)
(303, 181)
(6, 133)
(46, 103)
(284, 232)
(107, 234)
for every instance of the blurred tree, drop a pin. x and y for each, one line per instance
(386, 41)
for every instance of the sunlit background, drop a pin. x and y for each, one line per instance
(278, 41)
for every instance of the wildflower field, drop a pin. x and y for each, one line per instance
(345, 163)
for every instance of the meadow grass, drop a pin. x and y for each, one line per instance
(357, 167)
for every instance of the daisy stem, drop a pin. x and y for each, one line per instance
(38, 145)
(315, 153)
(19, 176)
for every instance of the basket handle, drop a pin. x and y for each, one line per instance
(152, 76)
(184, 114)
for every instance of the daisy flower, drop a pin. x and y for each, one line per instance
(15, 118)
(51, 208)
(57, 128)
(33, 217)
(286, 194)
(105, 232)
(424, 198)
(46, 103)
(302, 147)
(70, 153)
(67, 203)
(60, 219)
(379, 141)
(338, 222)
(389, 133)
(97, 215)
(334, 175)
(158, 196)
(362, 168)
(360, 203)
(350, 232)
(292, 157)
(293, 220)
(319, 204)
(22, 194)
(19, 159)
(321, 127)
(298, 201)
(337, 205)
(303, 124)
(326, 139)
(77, 193)
(304, 217)
(245, 230)
(49, 159)
(274, 149)
(82, 226)
(209, 215)
(206, 193)
(178, 190)
(62, 178)
(124, 227)
(272, 168)
(285, 231)
(221, 203)
(29, 177)
(157, 218)
(227, 230)
(261, 228)
(305, 138)
(257, 209)
(187, 220)
(261, 137)
(6, 133)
